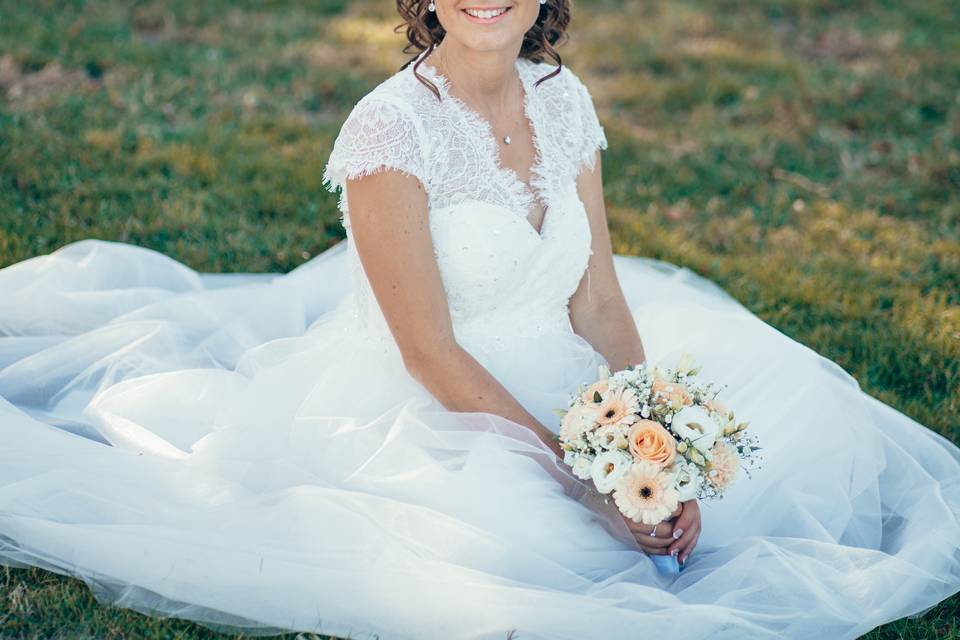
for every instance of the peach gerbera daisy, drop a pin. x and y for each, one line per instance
(645, 493)
(619, 406)
(600, 386)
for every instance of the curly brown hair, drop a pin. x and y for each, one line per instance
(424, 32)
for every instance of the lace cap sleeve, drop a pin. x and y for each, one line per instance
(378, 134)
(593, 134)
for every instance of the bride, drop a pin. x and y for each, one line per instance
(365, 445)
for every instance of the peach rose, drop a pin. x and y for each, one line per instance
(600, 386)
(649, 440)
(675, 393)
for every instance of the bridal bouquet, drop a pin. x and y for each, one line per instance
(653, 438)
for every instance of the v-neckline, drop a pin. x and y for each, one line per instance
(525, 190)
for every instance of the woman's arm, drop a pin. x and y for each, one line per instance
(390, 227)
(598, 309)
(599, 313)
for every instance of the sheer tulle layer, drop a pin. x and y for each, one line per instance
(231, 450)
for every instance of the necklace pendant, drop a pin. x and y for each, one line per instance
(506, 139)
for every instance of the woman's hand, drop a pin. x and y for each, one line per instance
(676, 535)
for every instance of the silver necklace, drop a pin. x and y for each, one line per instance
(506, 138)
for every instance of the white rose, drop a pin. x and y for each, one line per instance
(582, 466)
(696, 424)
(607, 468)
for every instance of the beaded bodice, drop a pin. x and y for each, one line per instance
(499, 273)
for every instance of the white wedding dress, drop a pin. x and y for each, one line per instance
(249, 452)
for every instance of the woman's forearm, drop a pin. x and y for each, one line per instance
(610, 329)
(460, 383)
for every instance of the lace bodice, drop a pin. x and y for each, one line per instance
(499, 273)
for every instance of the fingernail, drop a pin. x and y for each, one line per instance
(674, 552)
(677, 533)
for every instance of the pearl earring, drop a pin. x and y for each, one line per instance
(543, 1)
(433, 7)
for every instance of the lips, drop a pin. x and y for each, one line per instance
(485, 15)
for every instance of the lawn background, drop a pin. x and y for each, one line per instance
(803, 154)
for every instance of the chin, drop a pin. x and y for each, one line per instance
(487, 25)
(483, 42)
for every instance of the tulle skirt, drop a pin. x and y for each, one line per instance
(234, 450)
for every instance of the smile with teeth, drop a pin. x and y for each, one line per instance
(486, 14)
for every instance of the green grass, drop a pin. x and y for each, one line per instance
(803, 154)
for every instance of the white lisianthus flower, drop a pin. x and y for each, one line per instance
(582, 466)
(687, 481)
(606, 436)
(607, 468)
(695, 423)
(569, 457)
(609, 436)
